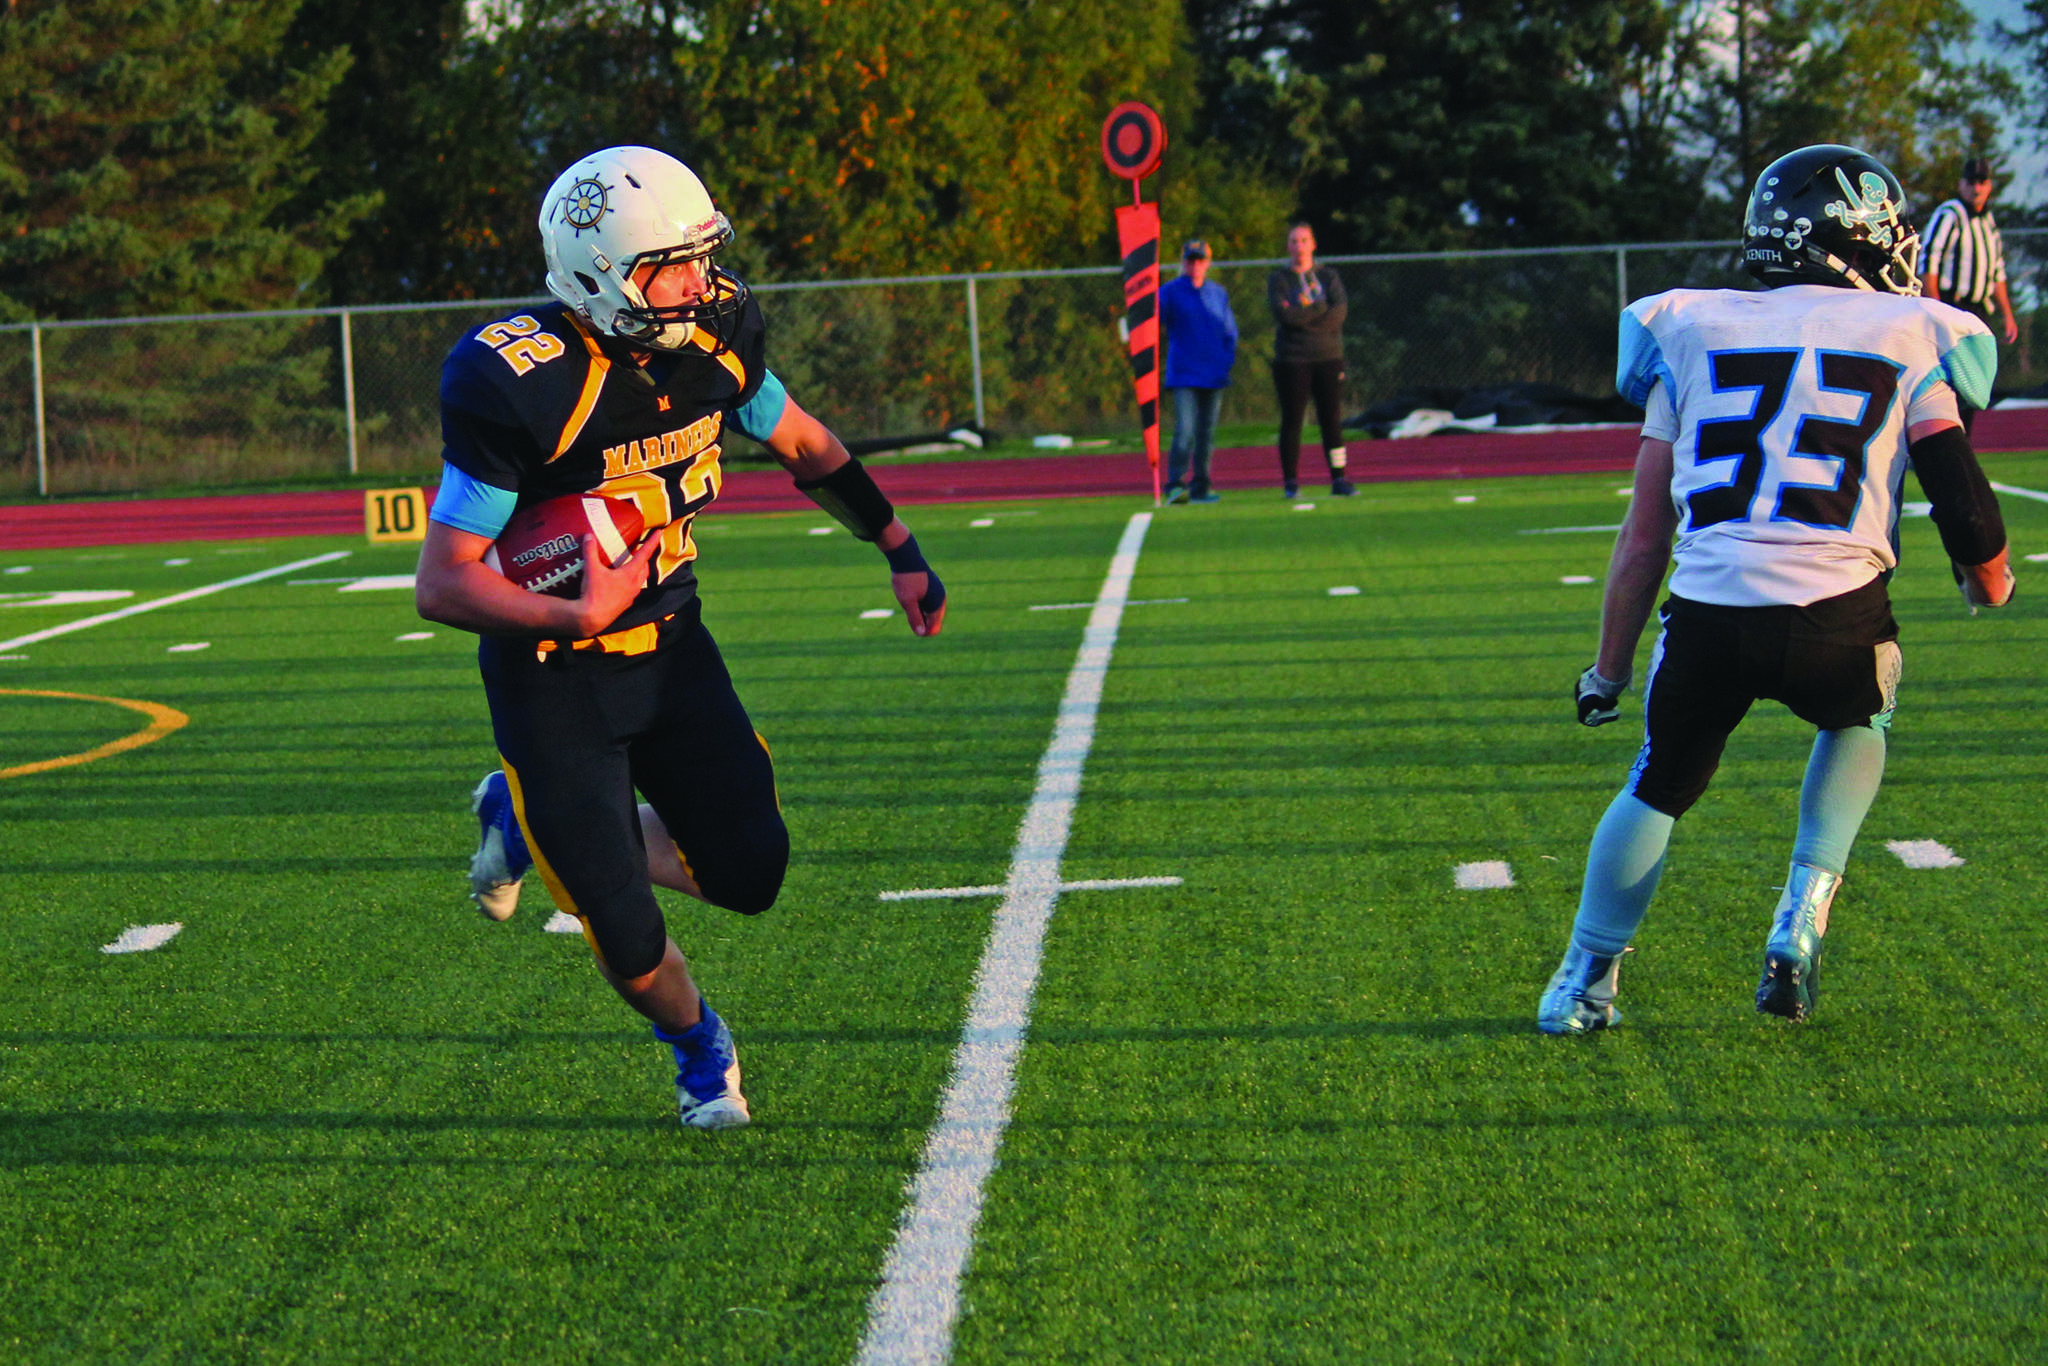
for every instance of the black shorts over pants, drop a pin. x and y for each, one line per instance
(1834, 663)
(579, 730)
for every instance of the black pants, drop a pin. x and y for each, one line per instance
(580, 730)
(1295, 381)
(1833, 663)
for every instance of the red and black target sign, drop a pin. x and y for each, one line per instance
(1133, 140)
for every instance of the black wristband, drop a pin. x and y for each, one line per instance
(906, 558)
(850, 495)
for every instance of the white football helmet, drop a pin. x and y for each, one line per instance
(626, 207)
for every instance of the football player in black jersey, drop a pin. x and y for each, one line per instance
(625, 389)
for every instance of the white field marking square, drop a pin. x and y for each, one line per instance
(983, 521)
(1465, 498)
(819, 531)
(1344, 590)
(173, 563)
(415, 635)
(1304, 507)
(190, 647)
(377, 582)
(143, 938)
(1575, 578)
(561, 922)
(877, 613)
(1924, 853)
(1492, 875)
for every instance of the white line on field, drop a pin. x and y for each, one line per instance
(2034, 494)
(118, 613)
(1563, 530)
(910, 1318)
(1492, 875)
(143, 938)
(376, 582)
(1095, 884)
(2037, 559)
(1924, 853)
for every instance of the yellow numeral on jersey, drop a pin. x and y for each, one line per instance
(703, 477)
(649, 493)
(521, 342)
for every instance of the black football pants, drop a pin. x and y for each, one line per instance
(579, 730)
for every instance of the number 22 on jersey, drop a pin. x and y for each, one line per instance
(1746, 445)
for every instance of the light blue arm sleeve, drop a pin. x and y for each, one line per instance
(469, 504)
(1639, 362)
(758, 418)
(1970, 366)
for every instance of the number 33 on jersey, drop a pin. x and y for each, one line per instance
(1787, 411)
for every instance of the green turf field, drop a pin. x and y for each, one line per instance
(1294, 1109)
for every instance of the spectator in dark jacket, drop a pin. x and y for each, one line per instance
(1201, 346)
(1308, 356)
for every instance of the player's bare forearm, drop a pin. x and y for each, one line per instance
(804, 446)
(1642, 552)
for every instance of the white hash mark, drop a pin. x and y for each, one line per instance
(143, 938)
(1493, 875)
(1924, 853)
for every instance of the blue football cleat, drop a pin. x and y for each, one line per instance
(1580, 997)
(707, 1075)
(501, 858)
(1792, 954)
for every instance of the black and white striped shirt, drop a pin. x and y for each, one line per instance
(1963, 253)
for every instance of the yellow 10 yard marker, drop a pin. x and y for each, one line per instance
(391, 515)
(162, 721)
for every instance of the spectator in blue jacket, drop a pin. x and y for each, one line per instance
(1201, 346)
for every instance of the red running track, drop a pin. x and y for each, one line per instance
(339, 512)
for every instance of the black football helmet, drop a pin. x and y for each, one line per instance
(1831, 215)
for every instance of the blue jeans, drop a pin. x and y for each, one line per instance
(1194, 432)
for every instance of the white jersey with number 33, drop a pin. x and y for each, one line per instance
(1787, 410)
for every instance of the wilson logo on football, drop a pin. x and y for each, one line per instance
(541, 548)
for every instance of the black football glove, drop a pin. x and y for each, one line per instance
(1599, 698)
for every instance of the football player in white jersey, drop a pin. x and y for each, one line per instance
(1779, 424)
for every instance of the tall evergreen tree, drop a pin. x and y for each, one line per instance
(151, 149)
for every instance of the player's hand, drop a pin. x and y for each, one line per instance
(1599, 698)
(923, 599)
(1989, 584)
(608, 592)
(2012, 330)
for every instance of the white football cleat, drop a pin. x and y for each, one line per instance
(708, 1079)
(501, 857)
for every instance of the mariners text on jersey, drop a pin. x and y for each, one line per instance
(1787, 410)
(535, 406)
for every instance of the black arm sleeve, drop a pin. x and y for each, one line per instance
(1965, 509)
(850, 495)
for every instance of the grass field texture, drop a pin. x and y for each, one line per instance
(1292, 1110)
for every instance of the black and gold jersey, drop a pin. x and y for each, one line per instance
(537, 405)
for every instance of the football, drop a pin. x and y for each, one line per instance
(541, 548)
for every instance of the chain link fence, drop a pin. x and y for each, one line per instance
(219, 400)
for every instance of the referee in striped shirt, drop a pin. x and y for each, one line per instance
(1963, 259)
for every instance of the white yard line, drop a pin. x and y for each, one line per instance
(911, 1317)
(52, 632)
(2016, 492)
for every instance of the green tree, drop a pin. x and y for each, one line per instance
(151, 149)
(1891, 77)
(431, 136)
(1486, 123)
